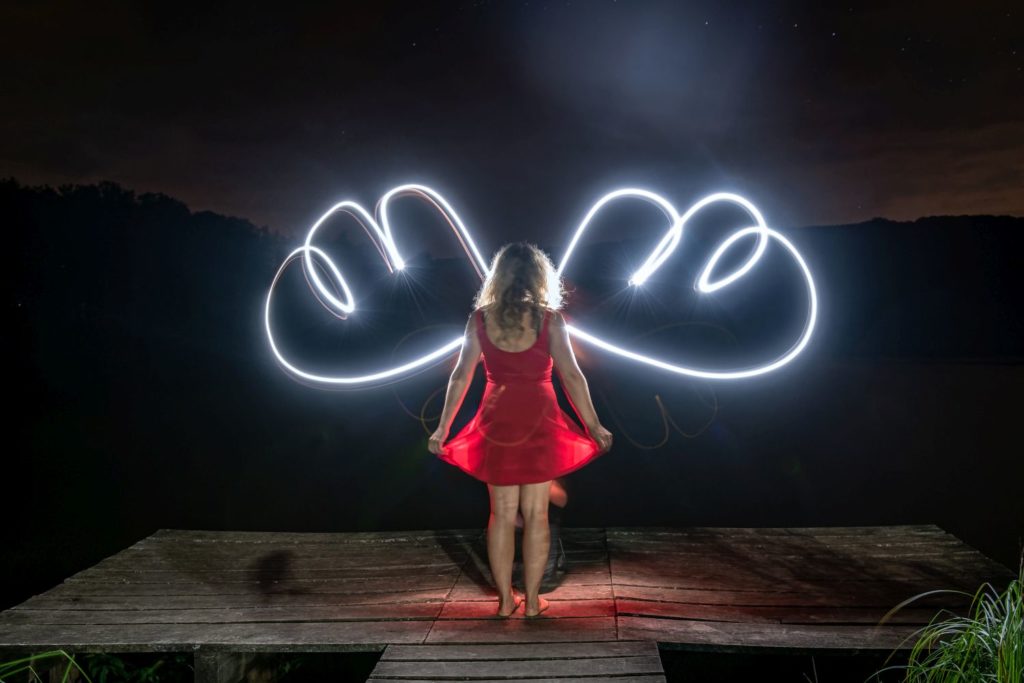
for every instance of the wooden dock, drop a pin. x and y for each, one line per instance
(622, 661)
(426, 597)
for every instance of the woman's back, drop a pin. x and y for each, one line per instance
(531, 329)
(529, 361)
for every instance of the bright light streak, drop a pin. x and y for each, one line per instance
(379, 230)
(805, 336)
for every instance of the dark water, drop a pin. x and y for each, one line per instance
(713, 667)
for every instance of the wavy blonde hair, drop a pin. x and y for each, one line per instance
(522, 279)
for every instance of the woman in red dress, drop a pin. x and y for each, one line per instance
(520, 439)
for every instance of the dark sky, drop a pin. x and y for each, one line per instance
(523, 113)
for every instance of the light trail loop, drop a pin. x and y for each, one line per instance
(379, 231)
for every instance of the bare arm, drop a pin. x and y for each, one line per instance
(572, 377)
(462, 376)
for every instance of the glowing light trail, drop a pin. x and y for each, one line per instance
(379, 230)
(664, 249)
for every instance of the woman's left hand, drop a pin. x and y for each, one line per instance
(436, 439)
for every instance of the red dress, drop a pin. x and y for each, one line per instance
(519, 435)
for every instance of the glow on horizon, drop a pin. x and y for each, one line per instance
(379, 230)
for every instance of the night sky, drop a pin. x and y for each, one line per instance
(523, 113)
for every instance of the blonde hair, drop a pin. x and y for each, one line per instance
(522, 279)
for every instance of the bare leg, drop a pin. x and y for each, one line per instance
(533, 501)
(501, 542)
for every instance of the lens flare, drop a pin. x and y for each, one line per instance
(379, 230)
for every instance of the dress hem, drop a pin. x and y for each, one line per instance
(527, 376)
(520, 483)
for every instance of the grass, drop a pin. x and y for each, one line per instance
(100, 667)
(177, 667)
(986, 646)
(25, 665)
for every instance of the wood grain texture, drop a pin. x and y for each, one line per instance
(569, 661)
(706, 588)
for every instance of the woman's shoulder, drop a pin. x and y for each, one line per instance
(553, 321)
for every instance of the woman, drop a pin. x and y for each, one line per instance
(520, 438)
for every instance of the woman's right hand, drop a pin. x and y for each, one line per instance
(602, 436)
(436, 441)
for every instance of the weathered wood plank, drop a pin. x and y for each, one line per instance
(485, 609)
(299, 573)
(649, 678)
(823, 597)
(901, 530)
(377, 611)
(561, 592)
(745, 635)
(814, 590)
(575, 574)
(622, 648)
(178, 637)
(296, 575)
(522, 668)
(285, 538)
(278, 538)
(834, 561)
(214, 560)
(793, 546)
(744, 575)
(394, 584)
(549, 661)
(771, 614)
(383, 562)
(876, 588)
(212, 601)
(341, 545)
(787, 545)
(523, 630)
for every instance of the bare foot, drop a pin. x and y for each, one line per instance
(542, 604)
(506, 609)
